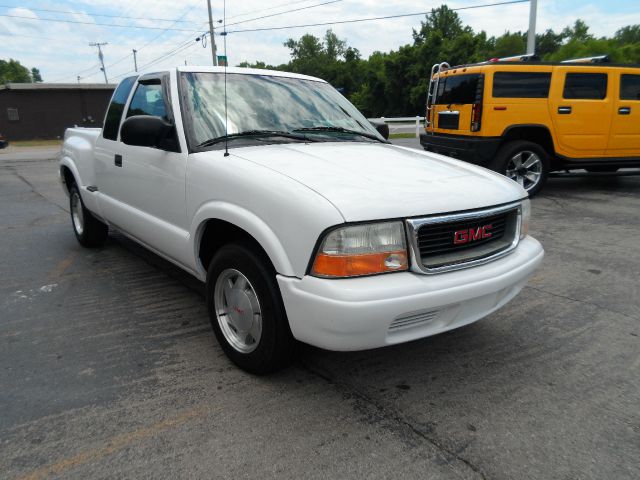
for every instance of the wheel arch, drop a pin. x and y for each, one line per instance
(536, 133)
(219, 224)
(68, 174)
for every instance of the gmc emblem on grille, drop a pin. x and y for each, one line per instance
(460, 237)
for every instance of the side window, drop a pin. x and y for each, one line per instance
(521, 84)
(116, 107)
(590, 86)
(148, 100)
(630, 87)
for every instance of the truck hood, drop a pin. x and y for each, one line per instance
(367, 181)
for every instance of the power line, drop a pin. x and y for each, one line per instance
(253, 12)
(150, 41)
(357, 20)
(98, 24)
(282, 13)
(95, 14)
(182, 47)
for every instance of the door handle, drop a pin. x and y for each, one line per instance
(624, 110)
(564, 110)
(118, 160)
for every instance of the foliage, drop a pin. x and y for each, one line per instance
(13, 71)
(395, 83)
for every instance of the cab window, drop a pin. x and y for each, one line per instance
(116, 107)
(629, 87)
(521, 84)
(148, 100)
(588, 86)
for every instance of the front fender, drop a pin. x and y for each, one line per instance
(249, 222)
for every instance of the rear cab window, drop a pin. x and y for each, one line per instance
(585, 86)
(116, 108)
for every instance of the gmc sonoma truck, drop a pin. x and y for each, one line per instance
(302, 219)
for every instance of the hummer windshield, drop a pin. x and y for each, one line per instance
(268, 108)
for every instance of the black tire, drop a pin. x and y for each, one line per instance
(602, 169)
(275, 346)
(507, 156)
(89, 231)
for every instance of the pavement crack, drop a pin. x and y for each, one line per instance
(392, 416)
(33, 189)
(584, 302)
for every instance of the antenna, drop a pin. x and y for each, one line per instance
(226, 117)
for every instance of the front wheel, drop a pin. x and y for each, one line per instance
(89, 231)
(524, 162)
(246, 309)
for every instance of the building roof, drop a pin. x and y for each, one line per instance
(58, 86)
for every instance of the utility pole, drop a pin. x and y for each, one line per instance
(135, 60)
(214, 55)
(531, 36)
(101, 57)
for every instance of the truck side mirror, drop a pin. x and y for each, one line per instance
(149, 131)
(381, 127)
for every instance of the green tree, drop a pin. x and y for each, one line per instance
(395, 83)
(12, 71)
(510, 44)
(629, 34)
(35, 75)
(441, 20)
(579, 32)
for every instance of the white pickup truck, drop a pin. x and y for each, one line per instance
(304, 222)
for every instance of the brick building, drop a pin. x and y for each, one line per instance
(44, 110)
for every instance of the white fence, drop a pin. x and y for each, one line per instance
(397, 124)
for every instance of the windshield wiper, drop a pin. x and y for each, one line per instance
(339, 130)
(252, 133)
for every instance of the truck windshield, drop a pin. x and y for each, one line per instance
(261, 103)
(458, 89)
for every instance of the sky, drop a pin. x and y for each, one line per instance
(164, 31)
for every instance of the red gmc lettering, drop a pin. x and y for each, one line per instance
(461, 237)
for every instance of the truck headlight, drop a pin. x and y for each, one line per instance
(525, 216)
(364, 249)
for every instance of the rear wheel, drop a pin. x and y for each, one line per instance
(246, 309)
(526, 163)
(89, 231)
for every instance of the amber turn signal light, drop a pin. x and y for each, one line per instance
(358, 265)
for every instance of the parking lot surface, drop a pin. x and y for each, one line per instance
(109, 367)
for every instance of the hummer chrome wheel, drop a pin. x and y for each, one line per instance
(525, 167)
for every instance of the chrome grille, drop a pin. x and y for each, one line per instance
(460, 240)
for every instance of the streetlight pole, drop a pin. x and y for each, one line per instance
(214, 56)
(135, 60)
(531, 36)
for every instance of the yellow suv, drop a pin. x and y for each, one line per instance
(527, 118)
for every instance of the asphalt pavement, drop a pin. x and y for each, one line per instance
(109, 368)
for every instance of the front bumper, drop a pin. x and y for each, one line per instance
(371, 312)
(478, 150)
